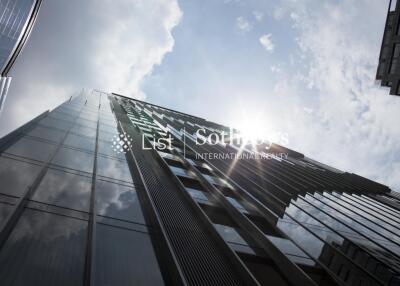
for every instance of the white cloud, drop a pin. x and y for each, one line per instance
(258, 15)
(279, 12)
(243, 25)
(352, 127)
(109, 45)
(275, 69)
(266, 42)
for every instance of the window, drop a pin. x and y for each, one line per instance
(124, 257)
(82, 142)
(62, 115)
(16, 176)
(118, 201)
(55, 123)
(106, 136)
(65, 190)
(83, 130)
(32, 149)
(44, 249)
(107, 148)
(114, 169)
(74, 159)
(5, 210)
(47, 133)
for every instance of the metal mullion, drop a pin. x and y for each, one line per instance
(235, 259)
(259, 206)
(281, 177)
(299, 223)
(212, 229)
(273, 177)
(55, 213)
(366, 209)
(244, 193)
(377, 210)
(278, 169)
(57, 206)
(328, 181)
(280, 189)
(382, 206)
(354, 229)
(88, 278)
(157, 220)
(365, 249)
(282, 167)
(271, 170)
(324, 177)
(273, 194)
(300, 172)
(279, 258)
(360, 267)
(362, 223)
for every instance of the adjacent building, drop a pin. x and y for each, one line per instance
(388, 72)
(16, 21)
(109, 190)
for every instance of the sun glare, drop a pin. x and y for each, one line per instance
(252, 128)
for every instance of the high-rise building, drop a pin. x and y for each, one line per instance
(388, 72)
(108, 190)
(16, 21)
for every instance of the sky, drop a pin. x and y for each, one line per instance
(304, 68)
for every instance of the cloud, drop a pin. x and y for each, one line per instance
(243, 25)
(275, 69)
(266, 42)
(108, 45)
(352, 123)
(258, 15)
(279, 12)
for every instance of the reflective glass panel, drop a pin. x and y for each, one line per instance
(16, 176)
(82, 142)
(130, 261)
(118, 201)
(114, 169)
(55, 123)
(32, 149)
(44, 249)
(47, 133)
(74, 159)
(64, 189)
(5, 210)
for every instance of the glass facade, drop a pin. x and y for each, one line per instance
(16, 21)
(106, 190)
(388, 71)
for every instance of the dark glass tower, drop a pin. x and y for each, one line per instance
(107, 190)
(388, 72)
(16, 21)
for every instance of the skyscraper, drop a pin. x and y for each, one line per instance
(108, 190)
(388, 72)
(16, 21)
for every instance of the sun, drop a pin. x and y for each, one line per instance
(252, 128)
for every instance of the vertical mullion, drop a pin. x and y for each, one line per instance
(91, 233)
